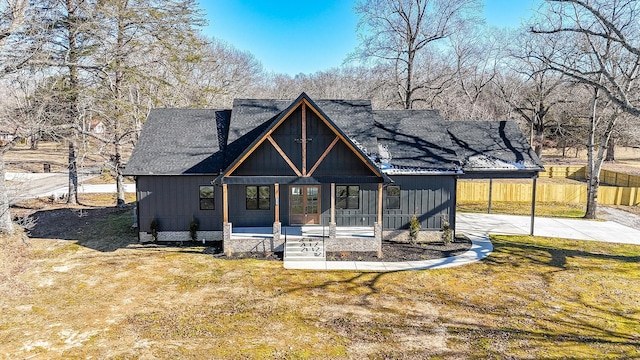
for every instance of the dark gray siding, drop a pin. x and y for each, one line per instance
(265, 160)
(365, 215)
(342, 161)
(239, 216)
(429, 197)
(174, 201)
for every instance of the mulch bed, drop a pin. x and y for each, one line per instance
(405, 251)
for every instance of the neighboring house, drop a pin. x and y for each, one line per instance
(7, 134)
(334, 163)
(96, 126)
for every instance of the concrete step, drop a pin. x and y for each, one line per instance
(305, 250)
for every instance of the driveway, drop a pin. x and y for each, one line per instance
(578, 229)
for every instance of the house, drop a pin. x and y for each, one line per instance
(96, 126)
(337, 164)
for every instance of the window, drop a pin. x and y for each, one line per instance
(258, 197)
(347, 197)
(393, 197)
(206, 197)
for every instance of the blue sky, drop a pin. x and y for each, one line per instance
(307, 36)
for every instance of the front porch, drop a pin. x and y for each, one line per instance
(274, 239)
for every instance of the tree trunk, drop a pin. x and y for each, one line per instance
(73, 174)
(611, 150)
(538, 138)
(34, 141)
(595, 162)
(117, 163)
(6, 222)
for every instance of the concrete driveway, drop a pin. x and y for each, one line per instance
(578, 229)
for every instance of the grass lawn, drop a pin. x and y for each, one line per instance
(549, 209)
(104, 296)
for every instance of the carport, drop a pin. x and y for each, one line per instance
(495, 150)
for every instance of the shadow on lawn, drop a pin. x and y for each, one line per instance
(104, 229)
(548, 255)
(567, 301)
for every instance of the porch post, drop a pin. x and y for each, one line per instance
(332, 220)
(277, 227)
(277, 205)
(225, 204)
(377, 227)
(226, 225)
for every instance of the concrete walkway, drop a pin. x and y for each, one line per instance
(477, 227)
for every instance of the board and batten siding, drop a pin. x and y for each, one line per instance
(174, 201)
(429, 197)
(239, 216)
(365, 215)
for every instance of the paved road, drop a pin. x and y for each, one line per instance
(32, 185)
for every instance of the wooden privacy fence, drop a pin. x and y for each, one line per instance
(608, 177)
(475, 191)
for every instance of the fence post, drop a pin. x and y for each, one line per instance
(533, 203)
(490, 193)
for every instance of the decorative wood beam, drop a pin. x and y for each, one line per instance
(304, 139)
(345, 140)
(268, 134)
(284, 156)
(324, 155)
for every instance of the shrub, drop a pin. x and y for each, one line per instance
(446, 231)
(193, 229)
(414, 228)
(154, 226)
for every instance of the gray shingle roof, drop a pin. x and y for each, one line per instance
(179, 141)
(493, 146)
(414, 140)
(353, 117)
(191, 141)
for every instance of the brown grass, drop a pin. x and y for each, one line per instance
(102, 295)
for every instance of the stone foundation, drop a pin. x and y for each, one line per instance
(262, 245)
(403, 235)
(352, 244)
(171, 236)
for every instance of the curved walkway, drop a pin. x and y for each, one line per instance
(481, 247)
(477, 227)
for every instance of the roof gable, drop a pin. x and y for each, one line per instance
(271, 125)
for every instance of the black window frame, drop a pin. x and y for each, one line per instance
(395, 198)
(347, 199)
(259, 199)
(205, 199)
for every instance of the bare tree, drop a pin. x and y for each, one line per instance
(604, 54)
(529, 86)
(397, 33)
(19, 40)
(136, 36)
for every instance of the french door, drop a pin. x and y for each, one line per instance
(304, 205)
